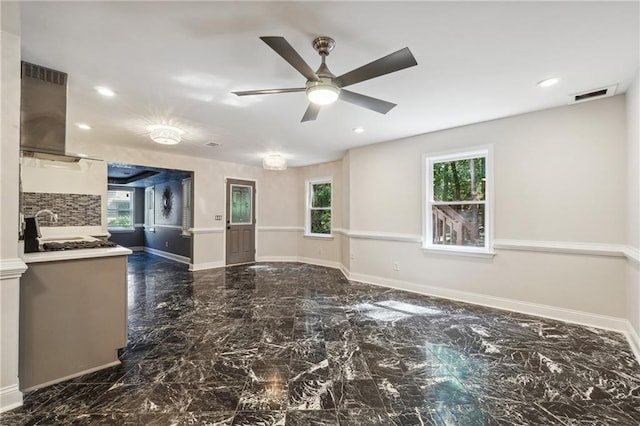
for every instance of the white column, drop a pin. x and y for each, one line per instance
(11, 266)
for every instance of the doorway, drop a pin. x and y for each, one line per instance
(241, 221)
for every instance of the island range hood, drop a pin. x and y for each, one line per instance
(43, 114)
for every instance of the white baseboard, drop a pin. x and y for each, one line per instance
(10, 398)
(309, 260)
(277, 259)
(71, 376)
(207, 265)
(320, 262)
(136, 248)
(167, 255)
(547, 311)
(634, 340)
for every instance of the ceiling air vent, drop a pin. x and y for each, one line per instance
(591, 95)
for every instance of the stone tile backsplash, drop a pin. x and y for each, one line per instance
(72, 209)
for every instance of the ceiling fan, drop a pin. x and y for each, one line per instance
(323, 87)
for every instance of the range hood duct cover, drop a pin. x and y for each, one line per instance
(43, 113)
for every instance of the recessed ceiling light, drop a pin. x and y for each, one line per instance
(105, 91)
(83, 126)
(358, 129)
(548, 82)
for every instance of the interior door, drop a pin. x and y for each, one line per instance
(241, 221)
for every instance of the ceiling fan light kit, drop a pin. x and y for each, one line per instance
(322, 92)
(323, 88)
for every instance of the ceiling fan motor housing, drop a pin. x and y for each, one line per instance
(324, 45)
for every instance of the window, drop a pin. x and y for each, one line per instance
(149, 208)
(458, 209)
(318, 217)
(186, 206)
(120, 209)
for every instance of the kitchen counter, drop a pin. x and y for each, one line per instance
(73, 313)
(50, 256)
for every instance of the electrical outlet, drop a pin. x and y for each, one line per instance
(166, 243)
(396, 266)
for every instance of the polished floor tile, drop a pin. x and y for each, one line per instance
(295, 344)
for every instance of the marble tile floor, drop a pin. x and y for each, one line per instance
(296, 344)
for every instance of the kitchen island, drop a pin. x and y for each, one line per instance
(73, 313)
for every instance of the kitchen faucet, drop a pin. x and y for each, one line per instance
(32, 231)
(54, 216)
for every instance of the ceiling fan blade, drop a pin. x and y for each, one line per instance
(311, 113)
(368, 102)
(395, 61)
(289, 54)
(269, 91)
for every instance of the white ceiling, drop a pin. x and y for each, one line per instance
(177, 62)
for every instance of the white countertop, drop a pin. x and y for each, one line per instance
(51, 256)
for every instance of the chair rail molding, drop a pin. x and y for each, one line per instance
(12, 268)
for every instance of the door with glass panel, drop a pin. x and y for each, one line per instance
(241, 221)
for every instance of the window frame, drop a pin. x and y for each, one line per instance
(132, 204)
(428, 160)
(309, 208)
(150, 208)
(187, 208)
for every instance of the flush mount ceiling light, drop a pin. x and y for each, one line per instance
(274, 162)
(548, 82)
(105, 91)
(165, 135)
(323, 92)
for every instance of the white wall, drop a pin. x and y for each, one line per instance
(11, 267)
(83, 177)
(278, 225)
(208, 189)
(633, 203)
(558, 177)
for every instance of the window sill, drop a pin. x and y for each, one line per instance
(319, 236)
(483, 254)
(121, 231)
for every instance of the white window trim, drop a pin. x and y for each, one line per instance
(187, 208)
(427, 222)
(149, 199)
(132, 203)
(307, 209)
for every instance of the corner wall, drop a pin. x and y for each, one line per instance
(559, 196)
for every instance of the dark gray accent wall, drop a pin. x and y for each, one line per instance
(172, 216)
(128, 239)
(72, 209)
(169, 240)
